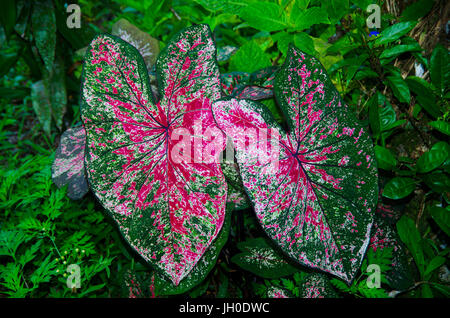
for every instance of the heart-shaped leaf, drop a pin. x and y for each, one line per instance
(167, 197)
(314, 189)
(68, 167)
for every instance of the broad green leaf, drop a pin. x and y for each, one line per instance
(400, 49)
(440, 68)
(57, 89)
(434, 264)
(411, 237)
(249, 58)
(424, 95)
(399, 88)
(304, 42)
(442, 126)
(43, 22)
(433, 158)
(336, 9)
(283, 39)
(311, 16)
(399, 187)
(395, 32)
(262, 260)
(265, 16)
(385, 159)
(442, 217)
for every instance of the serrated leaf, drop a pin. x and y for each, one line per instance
(311, 16)
(264, 16)
(147, 46)
(262, 260)
(68, 166)
(43, 22)
(249, 58)
(169, 204)
(314, 189)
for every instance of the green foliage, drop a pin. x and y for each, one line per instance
(407, 111)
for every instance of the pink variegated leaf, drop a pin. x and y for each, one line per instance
(68, 166)
(314, 188)
(154, 166)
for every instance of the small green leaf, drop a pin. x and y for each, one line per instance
(398, 188)
(304, 42)
(433, 158)
(438, 182)
(439, 68)
(442, 217)
(399, 49)
(442, 126)
(435, 263)
(395, 32)
(399, 88)
(385, 158)
(265, 16)
(424, 94)
(411, 237)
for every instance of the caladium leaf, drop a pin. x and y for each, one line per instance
(314, 189)
(236, 193)
(169, 204)
(203, 267)
(317, 285)
(149, 284)
(147, 46)
(278, 292)
(263, 260)
(68, 166)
